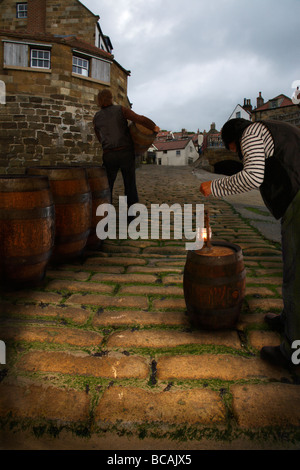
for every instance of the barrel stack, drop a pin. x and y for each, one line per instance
(73, 209)
(48, 217)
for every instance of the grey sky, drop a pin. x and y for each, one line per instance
(193, 61)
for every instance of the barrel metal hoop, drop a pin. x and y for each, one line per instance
(216, 281)
(105, 193)
(73, 199)
(61, 239)
(29, 214)
(28, 260)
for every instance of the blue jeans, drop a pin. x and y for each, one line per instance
(290, 236)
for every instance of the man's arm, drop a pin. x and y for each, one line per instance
(251, 177)
(139, 119)
(96, 131)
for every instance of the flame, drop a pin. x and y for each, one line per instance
(204, 234)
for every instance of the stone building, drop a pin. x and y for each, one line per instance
(279, 108)
(54, 59)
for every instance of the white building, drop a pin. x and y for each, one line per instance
(244, 112)
(175, 152)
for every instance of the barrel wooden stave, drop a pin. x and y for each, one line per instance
(142, 137)
(214, 287)
(98, 181)
(73, 208)
(27, 228)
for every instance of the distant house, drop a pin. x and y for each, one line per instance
(279, 108)
(212, 138)
(165, 135)
(243, 112)
(175, 152)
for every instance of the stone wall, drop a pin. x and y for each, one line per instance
(50, 130)
(47, 118)
(66, 17)
(215, 155)
(289, 114)
(8, 18)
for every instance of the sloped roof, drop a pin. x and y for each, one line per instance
(70, 40)
(282, 101)
(171, 144)
(85, 46)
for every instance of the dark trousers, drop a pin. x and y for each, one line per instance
(123, 160)
(290, 233)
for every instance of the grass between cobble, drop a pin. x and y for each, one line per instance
(96, 386)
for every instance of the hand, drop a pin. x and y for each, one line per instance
(205, 188)
(156, 129)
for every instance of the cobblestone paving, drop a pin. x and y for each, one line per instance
(104, 345)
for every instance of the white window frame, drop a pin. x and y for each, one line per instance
(21, 10)
(17, 54)
(98, 68)
(80, 69)
(46, 61)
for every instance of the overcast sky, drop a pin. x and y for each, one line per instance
(193, 61)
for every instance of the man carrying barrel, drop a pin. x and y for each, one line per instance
(112, 131)
(270, 151)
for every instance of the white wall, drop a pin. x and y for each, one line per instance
(244, 114)
(171, 157)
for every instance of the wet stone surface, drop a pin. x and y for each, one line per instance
(104, 346)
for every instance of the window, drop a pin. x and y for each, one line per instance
(238, 114)
(21, 10)
(40, 58)
(27, 55)
(80, 66)
(178, 152)
(274, 104)
(90, 66)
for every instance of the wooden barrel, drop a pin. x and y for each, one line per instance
(27, 224)
(142, 137)
(214, 286)
(100, 191)
(73, 209)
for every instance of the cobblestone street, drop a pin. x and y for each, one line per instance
(102, 354)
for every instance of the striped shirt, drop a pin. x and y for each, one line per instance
(256, 144)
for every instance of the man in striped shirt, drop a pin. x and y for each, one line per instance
(270, 151)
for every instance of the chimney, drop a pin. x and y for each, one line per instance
(247, 105)
(259, 100)
(36, 16)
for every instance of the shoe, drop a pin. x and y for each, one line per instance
(274, 321)
(274, 356)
